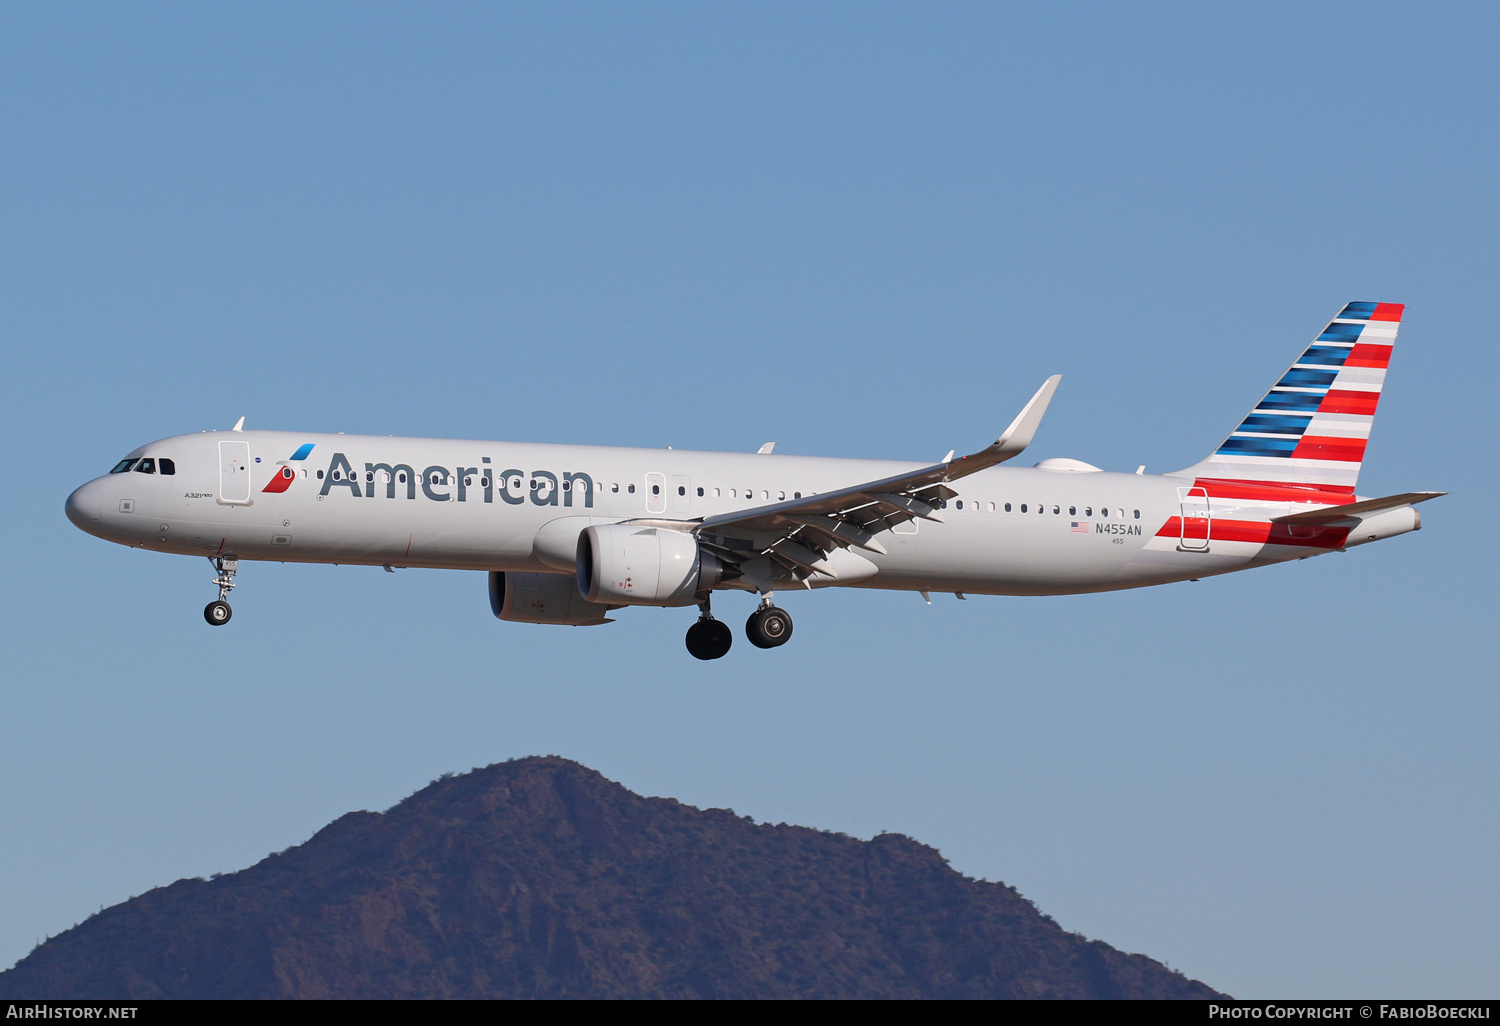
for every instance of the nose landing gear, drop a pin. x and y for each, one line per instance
(218, 612)
(708, 638)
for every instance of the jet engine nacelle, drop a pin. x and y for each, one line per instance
(542, 598)
(646, 566)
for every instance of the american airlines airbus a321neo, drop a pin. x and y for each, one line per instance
(569, 533)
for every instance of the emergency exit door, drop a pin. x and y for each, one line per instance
(1195, 518)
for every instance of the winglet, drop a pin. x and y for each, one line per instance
(1016, 438)
(239, 425)
(768, 447)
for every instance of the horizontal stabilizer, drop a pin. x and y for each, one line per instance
(1328, 514)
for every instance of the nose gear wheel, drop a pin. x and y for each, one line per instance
(217, 613)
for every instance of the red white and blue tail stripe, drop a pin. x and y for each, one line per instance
(1311, 428)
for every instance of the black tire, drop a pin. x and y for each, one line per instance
(709, 639)
(769, 627)
(695, 646)
(718, 638)
(217, 613)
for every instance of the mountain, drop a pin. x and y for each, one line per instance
(540, 878)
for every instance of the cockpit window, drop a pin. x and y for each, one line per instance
(123, 466)
(146, 467)
(166, 466)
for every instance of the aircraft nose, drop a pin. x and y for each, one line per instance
(83, 505)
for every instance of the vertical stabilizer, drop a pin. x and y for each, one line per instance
(1311, 428)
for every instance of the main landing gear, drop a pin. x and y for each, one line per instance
(768, 626)
(708, 638)
(218, 612)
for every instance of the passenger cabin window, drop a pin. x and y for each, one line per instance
(1007, 507)
(1138, 514)
(146, 467)
(700, 492)
(1088, 511)
(631, 489)
(1057, 509)
(681, 490)
(1072, 511)
(123, 466)
(166, 466)
(615, 487)
(1104, 512)
(656, 489)
(1023, 507)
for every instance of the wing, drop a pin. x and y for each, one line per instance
(798, 535)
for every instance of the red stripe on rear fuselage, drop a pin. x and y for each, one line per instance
(1263, 532)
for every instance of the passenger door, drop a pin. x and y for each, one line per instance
(234, 473)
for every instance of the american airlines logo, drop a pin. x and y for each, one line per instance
(456, 484)
(285, 475)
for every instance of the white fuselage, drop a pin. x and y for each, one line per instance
(494, 506)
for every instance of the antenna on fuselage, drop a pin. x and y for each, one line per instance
(239, 425)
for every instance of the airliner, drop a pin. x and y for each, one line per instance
(571, 533)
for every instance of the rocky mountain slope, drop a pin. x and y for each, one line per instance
(540, 878)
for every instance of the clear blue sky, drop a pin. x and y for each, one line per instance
(864, 230)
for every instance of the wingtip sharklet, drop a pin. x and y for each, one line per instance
(1016, 437)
